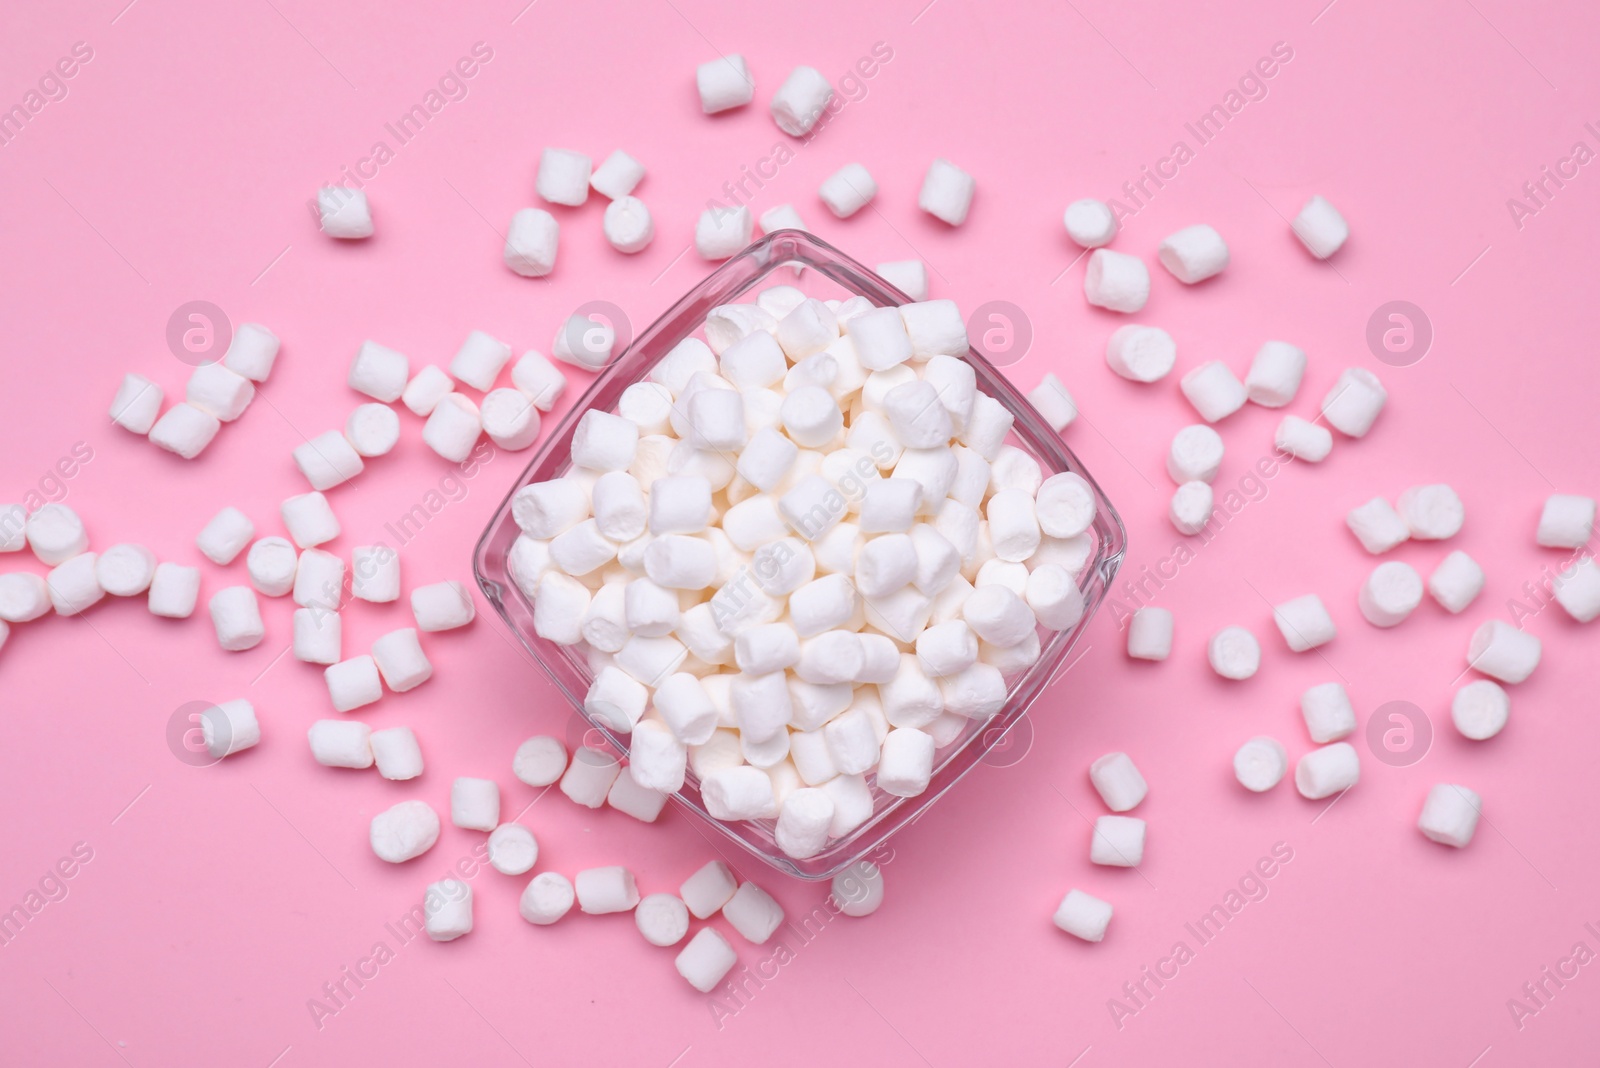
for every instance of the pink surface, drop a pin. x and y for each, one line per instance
(219, 901)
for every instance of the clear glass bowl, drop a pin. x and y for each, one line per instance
(829, 274)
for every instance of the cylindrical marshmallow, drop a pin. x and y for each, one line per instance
(395, 750)
(125, 570)
(1195, 455)
(1118, 842)
(1304, 623)
(173, 591)
(605, 890)
(1191, 507)
(400, 660)
(1503, 652)
(237, 618)
(24, 596)
(532, 242)
(1327, 771)
(375, 573)
(1566, 521)
(218, 391)
(724, 83)
(1214, 390)
(1054, 597)
(803, 823)
(344, 212)
(272, 563)
(513, 850)
(1260, 764)
(1118, 781)
(848, 190)
(56, 534)
(310, 519)
(73, 586)
(453, 427)
(1194, 253)
(1141, 353)
(800, 101)
(627, 224)
(906, 763)
(1116, 281)
(341, 743)
(404, 831)
(185, 430)
(1320, 228)
(1390, 594)
(1054, 402)
(1090, 223)
(662, 919)
(1353, 404)
(1577, 589)
(722, 231)
(229, 727)
(1328, 713)
(1431, 513)
(1377, 526)
(475, 804)
(540, 760)
(589, 776)
(1150, 634)
(547, 898)
(1275, 374)
(381, 373)
(1450, 815)
(221, 539)
(1456, 581)
(705, 960)
(442, 606)
(352, 683)
(858, 890)
(251, 352)
(1480, 709)
(372, 429)
(946, 192)
(540, 379)
(1234, 653)
(811, 417)
(1083, 916)
(137, 404)
(1302, 439)
(509, 417)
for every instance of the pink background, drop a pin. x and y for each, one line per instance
(178, 167)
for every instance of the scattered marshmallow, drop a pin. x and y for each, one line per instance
(344, 212)
(174, 590)
(137, 404)
(753, 913)
(1234, 653)
(218, 391)
(1327, 771)
(946, 192)
(1141, 353)
(1083, 916)
(617, 176)
(1195, 454)
(404, 831)
(908, 276)
(1320, 228)
(1116, 281)
(381, 373)
(605, 890)
(73, 586)
(395, 750)
(1214, 390)
(1377, 526)
(1302, 439)
(563, 176)
(1118, 782)
(475, 804)
(1304, 623)
(1275, 374)
(724, 83)
(547, 898)
(628, 225)
(1194, 253)
(327, 460)
(1456, 582)
(800, 101)
(1390, 594)
(374, 574)
(1480, 709)
(237, 618)
(372, 430)
(1566, 522)
(1577, 590)
(1431, 513)
(706, 960)
(1150, 634)
(185, 430)
(722, 231)
(781, 217)
(401, 661)
(1353, 404)
(707, 890)
(24, 596)
(426, 389)
(1118, 842)
(662, 919)
(310, 519)
(1191, 507)
(589, 776)
(229, 728)
(1450, 815)
(125, 570)
(1090, 223)
(453, 427)
(532, 242)
(1054, 402)
(539, 761)
(540, 379)
(271, 563)
(351, 683)
(640, 802)
(1260, 764)
(252, 352)
(848, 190)
(447, 910)
(442, 606)
(319, 580)
(341, 743)
(1503, 652)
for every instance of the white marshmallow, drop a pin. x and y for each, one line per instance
(604, 442)
(987, 428)
(341, 743)
(848, 190)
(547, 898)
(781, 217)
(783, 566)
(1090, 223)
(1118, 782)
(1275, 374)
(822, 604)
(729, 323)
(218, 391)
(1390, 594)
(344, 212)
(686, 708)
(513, 850)
(631, 799)
(1320, 228)
(475, 804)
(1566, 521)
(532, 241)
(1054, 597)
(13, 528)
(935, 328)
(616, 700)
(272, 563)
(1054, 402)
(352, 683)
(738, 793)
(1214, 390)
(319, 580)
(236, 617)
(426, 389)
(1118, 841)
(858, 890)
(999, 616)
(1328, 713)
(1260, 764)
(619, 507)
(510, 419)
(662, 919)
(1302, 439)
(1353, 404)
(1150, 634)
(946, 649)
(908, 276)
(753, 913)
(885, 564)
(1480, 710)
(1456, 581)
(1234, 653)
(479, 360)
(126, 570)
(372, 430)
(1191, 507)
(56, 534)
(1011, 661)
(1327, 771)
(605, 890)
(539, 761)
(1450, 815)
(74, 588)
(724, 83)
(442, 606)
(252, 352)
(617, 176)
(405, 831)
(381, 373)
(852, 803)
(174, 589)
(1431, 513)
(540, 379)
(722, 231)
(453, 427)
(589, 776)
(890, 506)
(880, 338)
(546, 509)
(803, 822)
(766, 460)
(400, 660)
(706, 960)
(185, 430)
(1503, 652)
(310, 519)
(1195, 455)
(811, 417)
(317, 635)
(1116, 281)
(1377, 526)
(1013, 526)
(24, 596)
(656, 759)
(374, 573)
(800, 101)
(1083, 916)
(906, 764)
(1577, 590)
(395, 750)
(680, 562)
(137, 404)
(938, 561)
(1141, 353)
(327, 460)
(1304, 622)
(946, 192)
(563, 176)
(648, 405)
(1194, 253)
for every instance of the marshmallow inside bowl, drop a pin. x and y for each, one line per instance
(768, 597)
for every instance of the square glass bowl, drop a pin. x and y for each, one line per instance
(829, 274)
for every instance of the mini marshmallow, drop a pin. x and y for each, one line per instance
(1195, 455)
(706, 960)
(375, 573)
(1327, 771)
(589, 776)
(1320, 228)
(656, 759)
(236, 617)
(890, 506)
(880, 338)
(648, 405)
(1215, 391)
(137, 404)
(605, 890)
(546, 509)
(1456, 581)
(395, 750)
(1353, 404)
(372, 430)
(1116, 281)
(685, 708)
(1150, 634)
(938, 561)
(1260, 764)
(987, 428)
(1141, 353)
(783, 566)
(56, 534)
(13, 528)
(426, 389)
(218, 391)
(510, 419)
(185, 430)
(379, 372)
(1304, 622)
(811, 417)
(309, 518)
(1566, 521)
(475, 804)
(547, 898)
(442, 606)
(1118, 782)
(453, 427)
(1054, 402)
(766, 460)
(848, 190)
(344, 212)
(935, 328)
(908, 276)
(728, 323)
(401, 661)
(252, 352)
(1054, 597)
(341, 743)
(317, 634)
(319, 580)
(806, 331)
(1013, 526)
(999, 616)
(946, 649)
(513, 850)
(539, 761)
(404, 832)
(1390, 594)
(1503, 652)
(1328, 713)
(1011, 661)
(800, 101)
(781, 217)
(753, 913)
(1194, 253)
(1431, 513)
(174, 590)
(617, 176)
(662, 919)
(906, 763)
(1480, 710)
(1083, 916)
(1090, 223)
(327, 460)
(125, 570)
(1275, 374)
(1118, 841)
(858, 890)
(721, 231)
(272, 563)
(24, 596)
(1234, 653)
(946, 192)
(1191, 507)
(723, 83)
(1450, 815)
(563, 176)
(73, 586)
(540, 379)
(632, 799)
(616, 700)
(803, 822)
(738, 793)
(479, 360)
(680, 562)
(1302, 439)
(1377, 526)
(603, 442)
(1577, 589)
(352, 683)
(532, 241)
